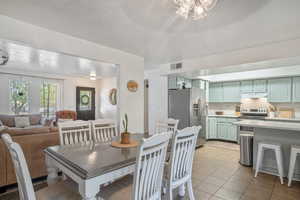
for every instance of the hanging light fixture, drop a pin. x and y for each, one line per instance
(197, 9)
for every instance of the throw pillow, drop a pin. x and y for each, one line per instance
(1, 124)
(22, 122)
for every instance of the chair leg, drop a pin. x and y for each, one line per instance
(293, 158)
(279, 164)
(181, 190)
(259, 159)
(190, 189)
(170, 193)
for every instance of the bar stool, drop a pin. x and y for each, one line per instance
(295, 150)
(262, 146)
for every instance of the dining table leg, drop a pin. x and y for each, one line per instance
(52, 171)
(89, 190)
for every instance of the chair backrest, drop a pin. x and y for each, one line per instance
(26, 191)
(104, 130)
(168, 125)
(182, 153)
(149, 167)
(74, 132)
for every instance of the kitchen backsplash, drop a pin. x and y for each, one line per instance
(229, 108)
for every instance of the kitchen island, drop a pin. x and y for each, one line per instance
(284, 133)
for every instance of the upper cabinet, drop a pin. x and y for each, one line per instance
(216, 92)
(246, 87)
(296, 89)
(254, 86)
(231, 92)
(260, 86)
(280, 90)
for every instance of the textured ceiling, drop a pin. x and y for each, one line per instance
(152, 30)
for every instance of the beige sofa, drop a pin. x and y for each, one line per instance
(33, 140)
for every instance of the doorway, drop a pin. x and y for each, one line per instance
(85, 103)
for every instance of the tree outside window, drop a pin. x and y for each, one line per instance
(19, 94)
(48, 99)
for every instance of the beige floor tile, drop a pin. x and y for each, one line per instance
(228, 194)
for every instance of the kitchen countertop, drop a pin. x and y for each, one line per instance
(266, 118)
(225, 116)
(292, 126)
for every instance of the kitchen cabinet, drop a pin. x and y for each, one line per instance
(231, 92)
(246, 87)
(260, 86)
(172, 82)
(215, 92)
(296, 89)
(279, 90)
(212, 128)
(222, 128)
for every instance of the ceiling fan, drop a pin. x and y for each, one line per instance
(3, 57)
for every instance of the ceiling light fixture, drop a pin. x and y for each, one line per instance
(197, 9)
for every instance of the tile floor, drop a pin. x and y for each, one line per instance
(217, 175)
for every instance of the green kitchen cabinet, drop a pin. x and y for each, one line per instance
(172, 82)
(231, 92)
(260, 86)
(222, 131)
(212, 128)
(280, 90)
(296, 89)
(232, 133)
(215, 92)
(246, 87)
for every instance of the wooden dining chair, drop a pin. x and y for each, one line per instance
(104, 130)
(59, 191)
(168, 125)
(179, 170)
(149, 167)
(74, 132)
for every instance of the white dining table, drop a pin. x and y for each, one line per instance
(90, 165)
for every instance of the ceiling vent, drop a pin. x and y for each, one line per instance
(176, 66)
(3, 57)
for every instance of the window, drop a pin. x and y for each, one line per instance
(85, 100)
(18, 98)
(48, 99)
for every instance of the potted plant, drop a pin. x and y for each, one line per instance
(125, 136)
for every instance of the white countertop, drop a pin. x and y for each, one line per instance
(292, 126)
(225, 116)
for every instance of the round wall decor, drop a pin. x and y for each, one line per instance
(132, 86)
(113, 96)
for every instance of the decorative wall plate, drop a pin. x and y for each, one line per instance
(113, 96)
(132, 86)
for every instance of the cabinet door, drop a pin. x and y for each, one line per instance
(232, 132)
(172, 82)
(231, 92)
(279, 90)
(222, 131)
(212, 128)
(246, 87)
(259, 86)
(215, 92)
(296, 89)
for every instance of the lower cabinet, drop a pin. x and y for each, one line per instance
(222, 128)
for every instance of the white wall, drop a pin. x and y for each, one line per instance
(131, 66)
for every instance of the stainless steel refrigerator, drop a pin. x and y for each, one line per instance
(190, 107)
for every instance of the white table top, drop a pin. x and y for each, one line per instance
(292, 126)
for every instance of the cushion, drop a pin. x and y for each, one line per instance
(1, 124)
(35, 119)
(22, 122)
(8, 120)
(26, 131)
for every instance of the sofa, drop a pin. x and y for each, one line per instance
(33, 140)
